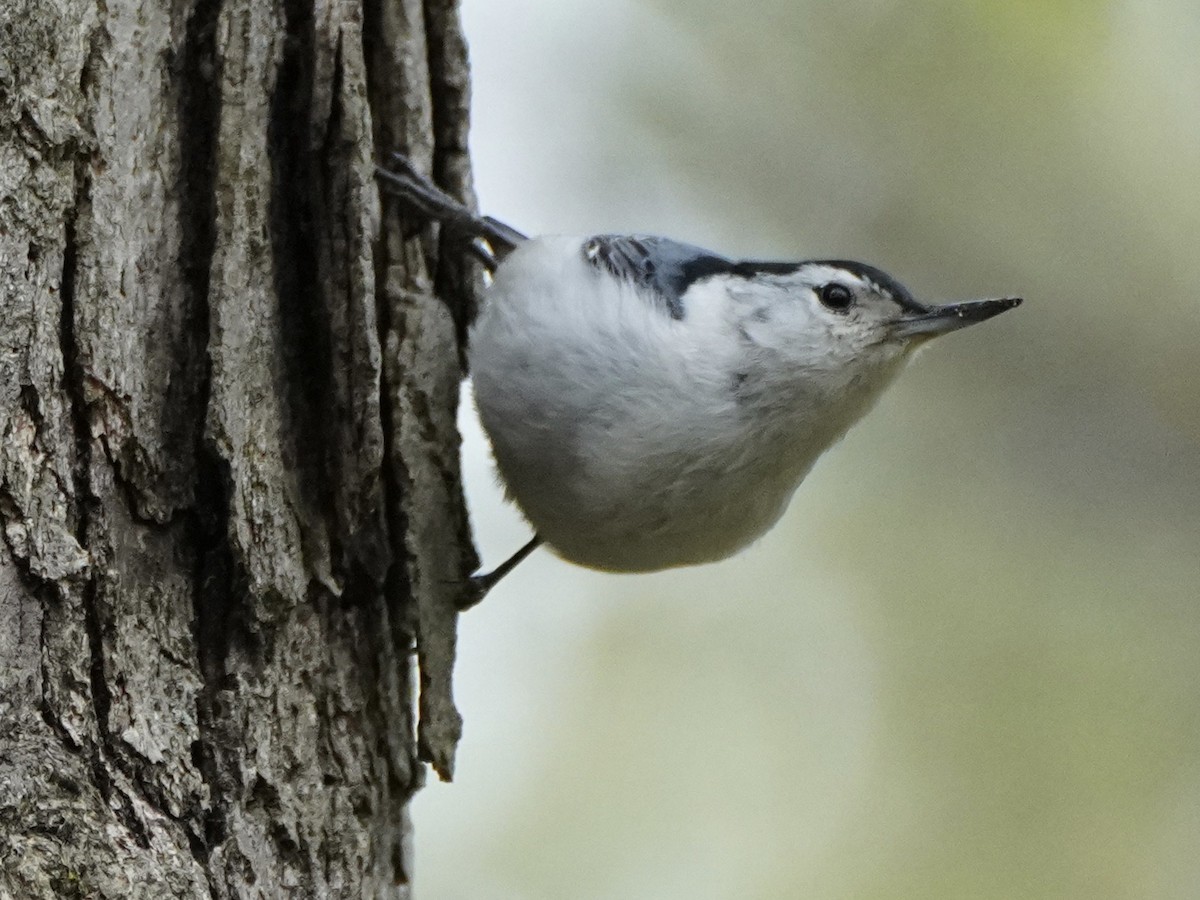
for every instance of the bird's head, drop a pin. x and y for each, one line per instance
(840, 316)
(834, 331)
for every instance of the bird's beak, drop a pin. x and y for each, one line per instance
(937, 320)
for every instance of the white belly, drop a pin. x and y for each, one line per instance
(623, 455)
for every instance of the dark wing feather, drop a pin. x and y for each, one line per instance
(662, 268)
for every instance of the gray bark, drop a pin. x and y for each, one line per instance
(229, 486)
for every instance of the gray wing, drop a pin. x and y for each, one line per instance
(662, 268)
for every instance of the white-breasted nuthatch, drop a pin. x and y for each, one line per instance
(651, 404)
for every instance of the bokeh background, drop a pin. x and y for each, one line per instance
(967, 663)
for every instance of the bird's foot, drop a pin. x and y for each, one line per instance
(478, 586)
(402, 179)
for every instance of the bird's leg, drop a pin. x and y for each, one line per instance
(479, 585)
(404, 181)
(423, 195)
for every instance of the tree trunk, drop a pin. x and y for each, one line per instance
(229, 488)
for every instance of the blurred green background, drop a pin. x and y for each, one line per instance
(967, 663)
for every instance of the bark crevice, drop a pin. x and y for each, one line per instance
(100, 755)
(297, 222)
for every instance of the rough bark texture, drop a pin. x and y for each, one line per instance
(229, 487)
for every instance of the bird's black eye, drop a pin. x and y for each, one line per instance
(836, 297)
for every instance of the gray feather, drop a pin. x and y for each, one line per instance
(662, 268)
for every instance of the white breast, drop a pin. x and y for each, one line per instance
(619, 430)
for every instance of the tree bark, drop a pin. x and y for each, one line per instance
(229, 488)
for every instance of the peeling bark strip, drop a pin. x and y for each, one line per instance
(229, 487)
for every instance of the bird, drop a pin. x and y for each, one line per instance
(651, 404)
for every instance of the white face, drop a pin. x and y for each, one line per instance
(823, 320)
